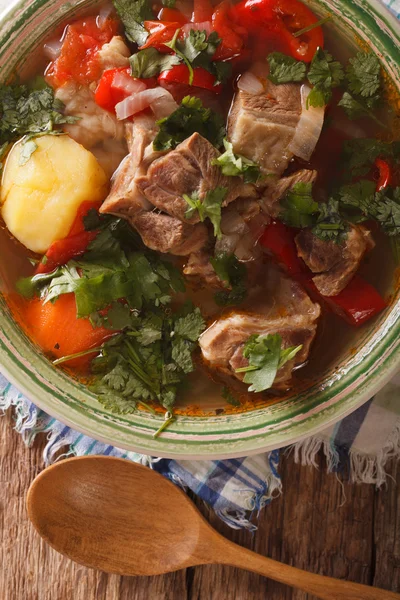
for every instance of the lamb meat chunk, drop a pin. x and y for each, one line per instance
(280, 306)
(277, 188)
(201, 272)
(164, 233)
(114, 54)
(261, 126)
(335, 263)
(125, 199)
(95, 124)
(185, 170)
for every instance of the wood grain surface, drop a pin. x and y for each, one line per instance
(318, 524)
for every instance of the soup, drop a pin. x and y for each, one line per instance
(199, 200)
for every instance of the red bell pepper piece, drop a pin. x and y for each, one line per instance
(172, 15)
(108, 93)
(202, 11)
(75, 244)
(357, 303)
(385, 174)
(279, 239)
(201, 78)
(232, 35)
(160, 33)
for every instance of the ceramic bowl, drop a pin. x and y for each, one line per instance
(363, 368)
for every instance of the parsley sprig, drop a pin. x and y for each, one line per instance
(133, 15)
(266, 356)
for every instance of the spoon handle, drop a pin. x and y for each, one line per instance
(326, 588)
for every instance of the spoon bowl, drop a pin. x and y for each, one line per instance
(120, 517)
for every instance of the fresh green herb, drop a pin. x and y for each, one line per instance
(356, 108)
(285, 69)
(169, 3)
(312, 26)
(137, 366)
(150, 63)
(133, 14)
(229, 397)
(195, 49)
(209, 207)
(330, 225)
(232, 164)
(168, 420)
(266, 357)
(364, 75)
(30, 113)
(174, 45)
(27, 149)
(233, 274)
(359, 154)
(189, 118)
(383, 206)
(298, 206)
(106, 273)
(325, 74)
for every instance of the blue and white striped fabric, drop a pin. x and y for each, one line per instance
(238, 488)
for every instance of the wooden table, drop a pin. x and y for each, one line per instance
(318, 524)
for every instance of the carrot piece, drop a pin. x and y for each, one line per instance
(56, 329)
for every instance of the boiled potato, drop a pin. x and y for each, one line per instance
(40, 198)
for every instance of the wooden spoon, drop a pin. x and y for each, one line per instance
(120, 517)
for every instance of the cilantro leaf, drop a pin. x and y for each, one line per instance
(232, 164)
(26, 112)
(358, 195)
(330, 224)
(133, 14)
(234, 274)
(266, 357)
(325, 74)
(229, 397)
(359, 154)
(363, 74)
(150, 63)
(148, 361)
(169, 3)
(210, 207)
(298, 206)
(27, 149)
(285, 69)
(189, 118)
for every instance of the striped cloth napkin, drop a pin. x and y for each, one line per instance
(238, 488)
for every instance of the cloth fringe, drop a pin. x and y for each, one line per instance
(363, 468)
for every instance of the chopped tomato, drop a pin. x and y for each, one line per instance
(202, 11)
(160, 33)
(201, 78)
(113, 88)
(280, 20)
(385, 174)
(74, 245)
(56, 329)
(172, 15)
(357, 303)
(78, 60)
(232, 35)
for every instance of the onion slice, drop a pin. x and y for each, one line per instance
(124, 81)
(308, 128)
(249, 83)
(145, 99)
(52, 49)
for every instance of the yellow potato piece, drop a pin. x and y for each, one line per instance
(40, 199)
